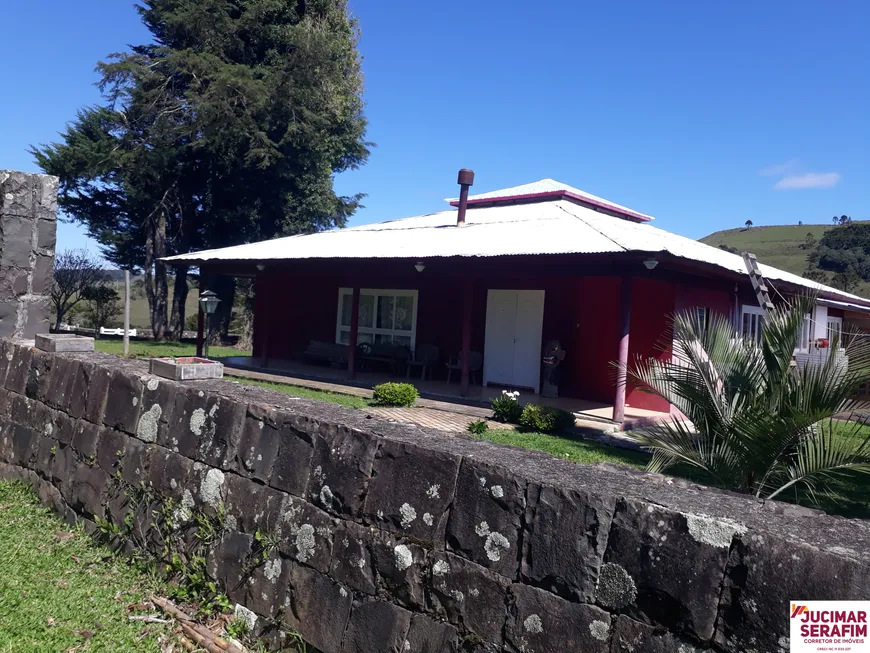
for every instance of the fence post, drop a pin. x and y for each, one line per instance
(126, 313)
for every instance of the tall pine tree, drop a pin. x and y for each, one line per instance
(228, 128)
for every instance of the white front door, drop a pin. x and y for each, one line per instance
(514, 322)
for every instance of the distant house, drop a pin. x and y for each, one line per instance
(534, 263)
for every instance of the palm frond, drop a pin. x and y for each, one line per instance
(756, 419)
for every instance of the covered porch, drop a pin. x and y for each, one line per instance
(447, 395)
(493, 316)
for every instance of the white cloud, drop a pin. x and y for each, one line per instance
(808, 180)
(779, 168)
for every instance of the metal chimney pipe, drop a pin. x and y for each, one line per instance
(466, 179)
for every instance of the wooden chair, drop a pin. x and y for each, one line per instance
(425, 357)
(475, 363)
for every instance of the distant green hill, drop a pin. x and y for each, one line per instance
(778, 246)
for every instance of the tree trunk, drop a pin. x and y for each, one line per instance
(161, 281)
(156, 286)
(148, 273)
(179, 303)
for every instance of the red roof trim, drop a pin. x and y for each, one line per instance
(639, 217)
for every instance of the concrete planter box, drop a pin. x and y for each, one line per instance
(187, 369)
(60, 342)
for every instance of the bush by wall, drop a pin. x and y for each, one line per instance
(506, 407)
(363, 535)
(394, 394)
(547, 419)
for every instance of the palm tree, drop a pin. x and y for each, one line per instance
(758, 423)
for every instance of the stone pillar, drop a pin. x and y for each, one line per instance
(28, 234)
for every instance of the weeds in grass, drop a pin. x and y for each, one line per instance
(478, 427)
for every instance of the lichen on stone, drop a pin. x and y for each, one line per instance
(714, 531)
(305, 542)
(533, 624)
(210, 488)
(600, 630)
(153, 384)
(326, 496)
(616, 589)
(408, 515)
(495, 545)
(272, 570)
(441, 568)
(403, 556)
(496, 491)
(197, 421)
(148, 423)
(187, 500)
(248, 616)
(482, 529)
(428, 519)
(432, 492)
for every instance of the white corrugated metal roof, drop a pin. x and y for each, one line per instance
(543, 186)
(552, 227)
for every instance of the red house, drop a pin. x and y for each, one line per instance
(514, 269)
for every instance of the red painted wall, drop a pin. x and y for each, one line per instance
(652, 305)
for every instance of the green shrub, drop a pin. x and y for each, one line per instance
(395, 394)
(546, 418)
(478, 427)
(506, 407)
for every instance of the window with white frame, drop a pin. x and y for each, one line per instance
(751, 321)
(388, 316)
(807, 336)
(835, 329)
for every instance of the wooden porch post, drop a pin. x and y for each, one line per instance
(466, 339)
(265, 318)
(200, 316)
(625, 288)
(354, 332)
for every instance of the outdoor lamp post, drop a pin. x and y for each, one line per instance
(208, 301)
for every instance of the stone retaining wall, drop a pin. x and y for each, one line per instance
(28, 224)
(389, 538)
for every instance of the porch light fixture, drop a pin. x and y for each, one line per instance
(208, 302)
(419, 266)
(261, 267)
(650, 263)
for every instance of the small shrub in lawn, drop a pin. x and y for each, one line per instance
(506, 408)
(478, 427)
(546, 418)
(395, 394)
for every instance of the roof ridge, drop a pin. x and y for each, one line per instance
(591, 226)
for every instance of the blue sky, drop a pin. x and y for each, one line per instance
(703, 114)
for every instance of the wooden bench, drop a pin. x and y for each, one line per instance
(328, 352)
(393, 355)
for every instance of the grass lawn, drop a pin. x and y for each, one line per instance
(61, 592)
(152, 349)
(567, 447)
(350, 401)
